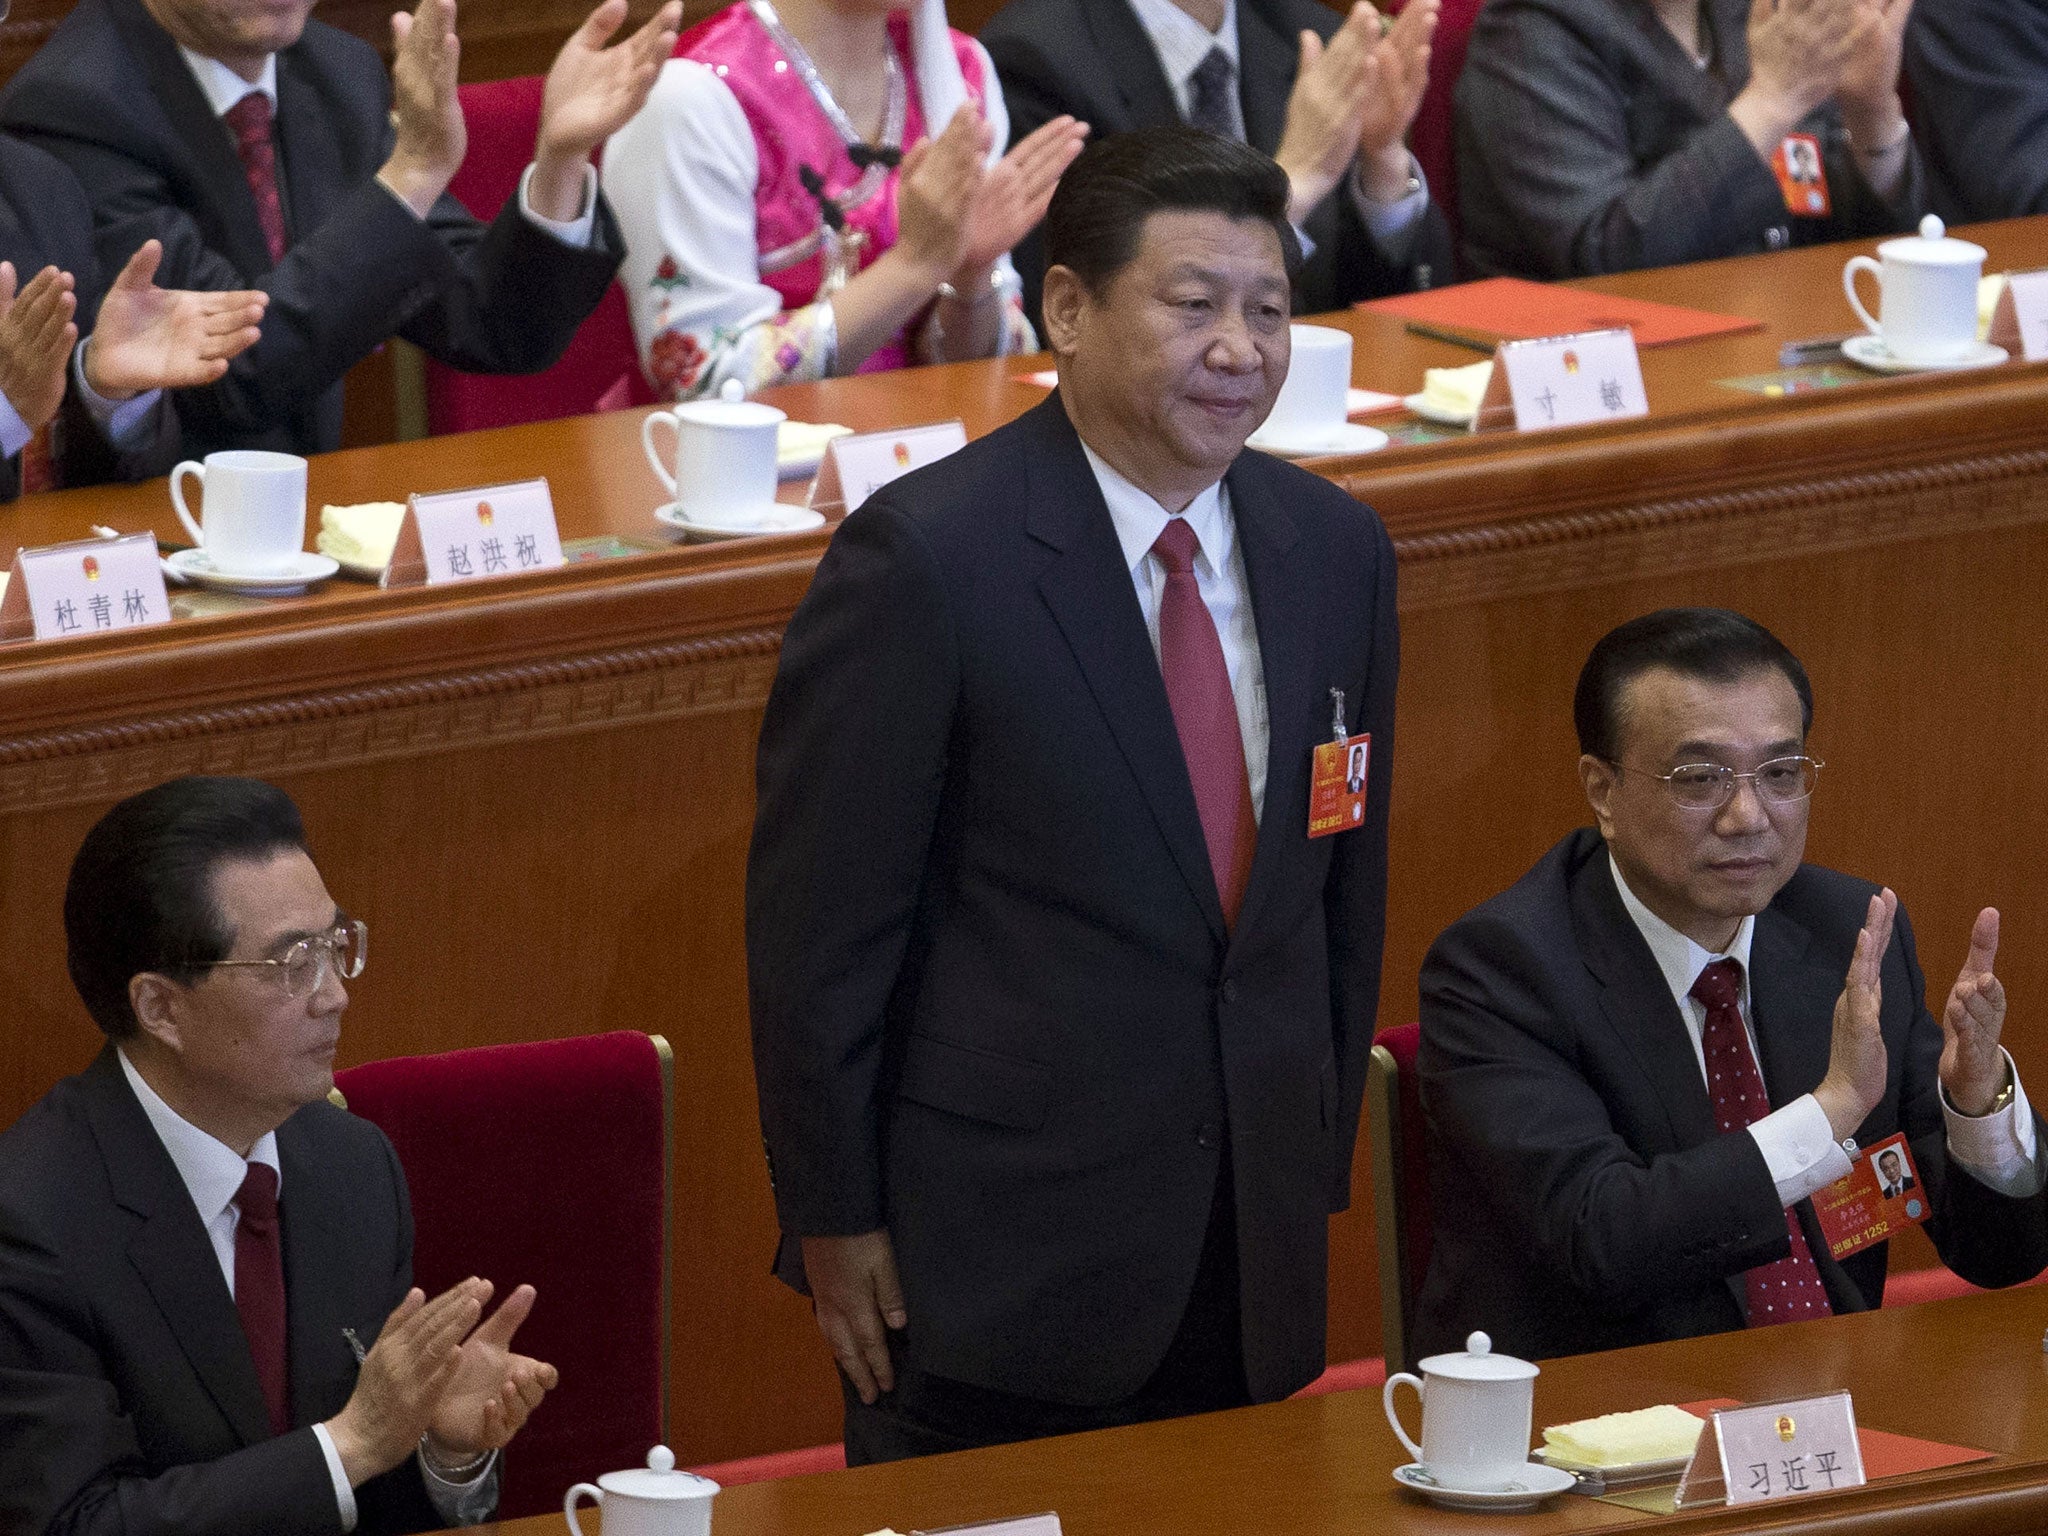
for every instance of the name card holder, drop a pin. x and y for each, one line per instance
(1774, 1451)
(856, 467)
(2020, 321)
(88, 587)
(1563, 381)
(1022, 1525)
(493, 530)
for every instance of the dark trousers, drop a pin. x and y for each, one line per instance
(1202, 1372)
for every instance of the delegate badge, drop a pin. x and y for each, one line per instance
(1801, 177)
(1336, 780)
(1881, 1195)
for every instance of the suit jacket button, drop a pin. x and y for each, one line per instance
(1209, 1135)
(1777, 237)
(1230, 991)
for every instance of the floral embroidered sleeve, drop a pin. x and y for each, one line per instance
(681, 178)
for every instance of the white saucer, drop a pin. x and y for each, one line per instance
(775, 517)
(1535, 1484)
(1869, 351)
(1352, 437)
(1420, 405)
(195, 566)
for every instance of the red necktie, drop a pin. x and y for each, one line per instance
(249, 121)
(1789, 1289)
(259, 1288)
(1205, 715)
(38, 465)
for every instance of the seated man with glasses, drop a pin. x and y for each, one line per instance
(207, 1320)
(1642, 1061)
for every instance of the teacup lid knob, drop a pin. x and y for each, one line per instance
(732, 391)
(1931, 227)
(661, 1459)
(1478, 1344)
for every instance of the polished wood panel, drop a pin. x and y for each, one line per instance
(1963, 1372)
(539, 790)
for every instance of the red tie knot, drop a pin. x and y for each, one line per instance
(1176, 546)
(1719, 985)
(249, 120)
(257, 1198)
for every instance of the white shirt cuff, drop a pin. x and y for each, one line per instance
(1799, 1148)
(14, 432)
(121, 422)
(577, 231)
(344, 1496)
(1998, 1148)
(1391, 225)
(469, 1503)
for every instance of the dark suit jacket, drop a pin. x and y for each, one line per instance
(109, 95)
(995, 1005)
(1584, 1199)
(1979, 70)
(1092, 58)
(128, 1399)
(1588, 141)
(45, 221)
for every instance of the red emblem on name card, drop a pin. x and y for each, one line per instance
(92, 569)
(1571, 362)
(484, 514)
(903, 456)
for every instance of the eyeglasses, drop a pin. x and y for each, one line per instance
(304, 966)
(1709, 786)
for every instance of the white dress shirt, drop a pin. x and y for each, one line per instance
(223, 88)
(213, 1173)
(1183, 42)
(1219, 577)
(1797, 1141)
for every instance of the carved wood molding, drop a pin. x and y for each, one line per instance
(410, 718)
(1708, 532)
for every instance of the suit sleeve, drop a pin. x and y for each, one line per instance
(1507, 1091)
(1980, 78)
(1355, 892)
(849, 777)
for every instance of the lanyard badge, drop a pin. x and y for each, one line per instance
(1337, 773)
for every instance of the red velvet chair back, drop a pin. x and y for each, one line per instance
(601, 368)
(547, 1163)
(1434, 136)
(1400, 1167)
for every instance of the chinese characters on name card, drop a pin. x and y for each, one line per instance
(90, 587)
(1567, 381)
(495, 530)
(1775, 1451)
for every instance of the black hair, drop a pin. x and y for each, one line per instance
(140, 897)
(1711, 644)
(1099, 210)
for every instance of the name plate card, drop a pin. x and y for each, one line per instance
(1023, 1525)
(1775, 1451)
(494, 530)
(1564, 381)
(90, 587)
(2020, 322)
(858, 466)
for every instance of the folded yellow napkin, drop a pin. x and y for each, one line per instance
(1456, 391)
(1663, 1433)
(360, 535)
(801, 442)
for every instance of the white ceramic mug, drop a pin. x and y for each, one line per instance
(1311, 405)
(724, 458)
(654, 1500)
(254, 509)
(1476, 1412)
(1927, 294)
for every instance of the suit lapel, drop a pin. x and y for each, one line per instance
(1088, 588)
(1266, 62)
(310, 175)
(172, 1254)
(1791, 1001)
(317, 1349)
(1126, 51)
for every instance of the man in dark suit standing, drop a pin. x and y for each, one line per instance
(1331, 97)
(1642, 1061)
(269, 151)
(1060, 1016)
(1979, 72)
(206, 1321)
(101, 402)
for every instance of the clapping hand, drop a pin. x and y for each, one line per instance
(492, 1390)
(1857, 1061)
(36, 337)
(592, 91)
(147, 337)
(1012, 197)
(431, 135)
(1326, 109)
(1972, 1062)
(1798, 53)
(1868, 90)
(1399, 75)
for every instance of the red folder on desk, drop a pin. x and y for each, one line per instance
(1513, 309)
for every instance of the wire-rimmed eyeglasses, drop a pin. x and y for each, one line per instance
(345, 947)
(1709, 786)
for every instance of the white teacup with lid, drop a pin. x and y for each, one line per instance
(1927, 294)
(1476, 1412)
(654, 1500)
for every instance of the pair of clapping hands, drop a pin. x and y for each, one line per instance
(443, 1378)
(1804, 53)
(1354, 100)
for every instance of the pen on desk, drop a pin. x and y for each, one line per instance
(1471, 343)
(1818, 349)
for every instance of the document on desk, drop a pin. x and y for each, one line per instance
(1501, 309)
(1025, 1525)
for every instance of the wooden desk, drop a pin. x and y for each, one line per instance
(1967, 1372)
(539, 791)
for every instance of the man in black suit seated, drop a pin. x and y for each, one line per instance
(1641, 1061)
(207, 1325)
(101, 400)
(269, 151)
(1330, 97)
(1979, 71)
